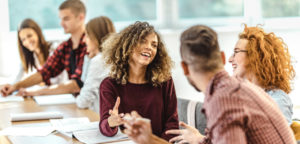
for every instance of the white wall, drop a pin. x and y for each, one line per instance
(9, 58)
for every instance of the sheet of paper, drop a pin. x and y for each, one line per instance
(49, 139)
(54, 99)
(35, 116)
(27, 131)
(11, 98)
(73, 124)
(69, 121)
(94, 136)
(125, 142)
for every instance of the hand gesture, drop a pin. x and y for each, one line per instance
(115, 119)
(137, 128)
(187, 135)
(7, 89)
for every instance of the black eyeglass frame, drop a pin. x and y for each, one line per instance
(238, 51)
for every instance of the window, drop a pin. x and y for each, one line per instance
(210, 8)
(170, 14)
(45, 13)
(122, 10)
(280, 8)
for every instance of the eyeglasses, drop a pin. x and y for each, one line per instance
(238, 51)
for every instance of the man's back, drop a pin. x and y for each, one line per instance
(239, 112)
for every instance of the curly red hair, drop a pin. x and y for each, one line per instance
(268, 58)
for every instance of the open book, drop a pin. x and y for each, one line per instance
(83, 130)
(94, 136)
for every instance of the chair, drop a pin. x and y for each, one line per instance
(296, 129)
(190, 112)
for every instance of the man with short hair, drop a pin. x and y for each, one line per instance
(237, 111)
(68, 56)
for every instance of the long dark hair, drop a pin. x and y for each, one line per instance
(26, 55)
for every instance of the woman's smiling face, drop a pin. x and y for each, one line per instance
(145, 51)
(238, 59)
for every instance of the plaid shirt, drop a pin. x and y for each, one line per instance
(60, 60)
(239, 112)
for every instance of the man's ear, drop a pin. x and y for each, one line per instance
(185, 68)
(81, 16)
(223, 57)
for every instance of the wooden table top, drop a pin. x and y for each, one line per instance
(28, 106)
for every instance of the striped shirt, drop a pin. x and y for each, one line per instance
(239, 112)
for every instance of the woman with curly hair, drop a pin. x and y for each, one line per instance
(140, 80)
(264, 59)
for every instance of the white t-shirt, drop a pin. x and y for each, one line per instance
(93, 73)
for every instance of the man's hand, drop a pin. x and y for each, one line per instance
(7, 89)
(115, 119)
(187, 135)
(137, 128)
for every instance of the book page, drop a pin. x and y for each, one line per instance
(73, 124)
(94, 136)
(69, 125)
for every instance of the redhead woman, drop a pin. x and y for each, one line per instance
(264, 59)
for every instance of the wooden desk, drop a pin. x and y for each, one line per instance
(69, 110)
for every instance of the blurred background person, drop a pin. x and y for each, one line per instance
(94, 71)
(34, 51)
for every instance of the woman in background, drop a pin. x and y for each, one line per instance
(93, 71)
(140, 79)
(264, 59)
(33, 49)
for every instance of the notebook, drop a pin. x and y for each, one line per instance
(54, 99)
(35, 116)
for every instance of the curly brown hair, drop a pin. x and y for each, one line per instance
(118, 48)
(268, 57)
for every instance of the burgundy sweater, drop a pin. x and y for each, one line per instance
(159, 104)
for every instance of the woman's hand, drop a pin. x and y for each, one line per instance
(115, 119)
